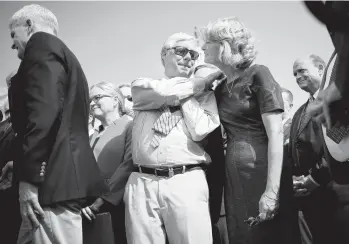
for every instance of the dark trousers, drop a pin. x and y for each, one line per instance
(219, 229)
(284, 227)
(340, 213)
(10, 218)
(317, 209)
(118, 220)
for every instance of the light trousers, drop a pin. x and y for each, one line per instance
(59, 226)
(172, 209)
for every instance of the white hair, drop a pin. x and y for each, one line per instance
(173, 39)
(36, 13)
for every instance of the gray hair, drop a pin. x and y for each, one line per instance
(172, 40)
(36, 13)
(112, 91)
(237, 44)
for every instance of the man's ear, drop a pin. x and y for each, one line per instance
(30, 25)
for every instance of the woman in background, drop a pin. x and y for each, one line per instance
(111, 145)
(250, 108)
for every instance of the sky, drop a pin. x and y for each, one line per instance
(120, 41)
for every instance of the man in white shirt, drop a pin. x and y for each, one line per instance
(167, 198)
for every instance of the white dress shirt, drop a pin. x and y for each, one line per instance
(184, 144)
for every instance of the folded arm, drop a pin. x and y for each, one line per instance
(150, 94)
(200, 115)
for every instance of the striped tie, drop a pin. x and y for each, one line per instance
(165, 123)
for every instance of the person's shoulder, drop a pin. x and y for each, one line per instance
(259, 69)
(261, 76)
(42, 44)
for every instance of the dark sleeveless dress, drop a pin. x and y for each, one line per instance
(241, 105)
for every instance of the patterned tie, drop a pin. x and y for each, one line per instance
(305, 116)
(337, 132)
(165, 123)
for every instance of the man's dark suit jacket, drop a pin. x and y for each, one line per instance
(305, 148)
(49, 105)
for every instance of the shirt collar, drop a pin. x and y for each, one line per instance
(314, 96)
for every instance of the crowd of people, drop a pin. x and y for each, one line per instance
(210, 153)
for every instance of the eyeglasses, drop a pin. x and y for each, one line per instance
(98, 97)
(182, 51)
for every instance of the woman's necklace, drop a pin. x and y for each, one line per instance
(231, 88)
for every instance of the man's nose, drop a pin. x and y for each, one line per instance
(13, 46)
(187, 56)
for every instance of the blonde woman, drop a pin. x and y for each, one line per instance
(111, 144)
(250, 109)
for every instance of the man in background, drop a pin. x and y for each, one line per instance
(126, 92)
(307, 154)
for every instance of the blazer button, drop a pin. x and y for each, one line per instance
(41, 174)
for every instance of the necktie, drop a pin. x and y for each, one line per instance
(165, 123)
(306, 116)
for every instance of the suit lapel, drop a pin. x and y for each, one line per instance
(304, 123)
(294, 134)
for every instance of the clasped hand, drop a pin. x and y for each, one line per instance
(303, 185)
(268, 205)
(6, 176)
(91, 211)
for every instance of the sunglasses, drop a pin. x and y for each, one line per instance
(129, 98)
(182, 51)
(98, 97)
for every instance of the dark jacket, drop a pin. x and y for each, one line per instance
(49, 105)
(305, 148)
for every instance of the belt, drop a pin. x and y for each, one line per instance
(170, 171)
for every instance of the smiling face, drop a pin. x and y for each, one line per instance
(177, 65)
(102, 103)
(20, 36)
(307, 75)
(212, 52)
